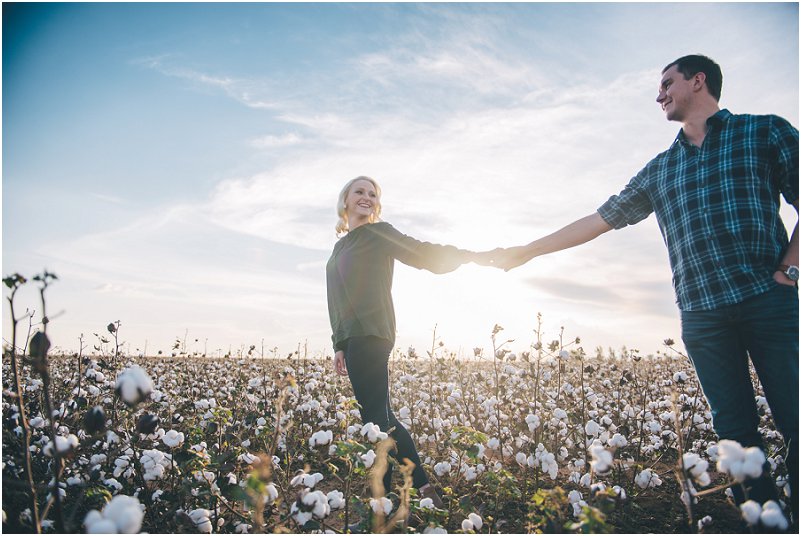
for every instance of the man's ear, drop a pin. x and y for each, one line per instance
(699, 81)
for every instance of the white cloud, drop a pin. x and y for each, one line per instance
(271, 141)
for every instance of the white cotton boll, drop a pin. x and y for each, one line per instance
(442, 468)
(102, 526)
(318, 502)
(323, 437)
(476, 520)
(336, 499)
(647, 479)
(493, 443)
(533, 422)
(373, 432)
(574, 496)
(133, 385)
(667, 416)
(173, 438)
(586, 480)
(126, 513)
(381, 505)
(560, 414)
(697, 467)
(601, 459)
(368, 458)
(617, 441)
(312, 480)
(248, 458)
(592, 428)
(753, 462)
(467, 526)
(738, 462)
(272, 493)
(680, 377)
(772, 516)
(520, 458)
(704, 522)
(202, 520)
(427, 503)
(300, 516)
(37, 422)
(751, 510)
(62, 445)
(470, 474)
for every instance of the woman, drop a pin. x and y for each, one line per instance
(359, 278)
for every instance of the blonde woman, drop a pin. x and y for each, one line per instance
(359, 280)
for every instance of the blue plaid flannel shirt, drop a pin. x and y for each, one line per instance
(718, 207)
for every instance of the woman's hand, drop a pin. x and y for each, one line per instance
(339, 363)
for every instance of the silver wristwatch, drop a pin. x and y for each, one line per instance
(790, 271)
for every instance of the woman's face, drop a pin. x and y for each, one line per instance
(360, 202)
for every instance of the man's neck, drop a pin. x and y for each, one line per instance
(695, 127)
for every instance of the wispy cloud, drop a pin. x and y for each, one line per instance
(271, 141)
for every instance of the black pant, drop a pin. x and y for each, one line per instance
(366, 359)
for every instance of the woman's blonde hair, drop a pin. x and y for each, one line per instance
(342, 224)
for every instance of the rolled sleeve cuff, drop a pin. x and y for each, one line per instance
(611, 215)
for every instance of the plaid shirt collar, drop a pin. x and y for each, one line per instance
(714, 121)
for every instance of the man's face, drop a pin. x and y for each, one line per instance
(675, 94)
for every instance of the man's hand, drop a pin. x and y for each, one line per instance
(782, 279)
(339, 363)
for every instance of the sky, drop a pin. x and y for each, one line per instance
(177, 166)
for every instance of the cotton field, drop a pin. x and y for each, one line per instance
(543, 439)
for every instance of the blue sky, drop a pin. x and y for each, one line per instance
(177, 165)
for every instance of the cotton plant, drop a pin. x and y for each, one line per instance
(201, 518)
(61, 445)
(696, 468)
(372, 432)
(739, 462)
(381, 505)
(320, 438)
(768, 515)
(133, 385)
(306, 480)
(647, 478)
(312, 504)
(122, 515)
(173, 439)
(602, 460)
(472, 523)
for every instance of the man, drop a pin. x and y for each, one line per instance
(715, 193)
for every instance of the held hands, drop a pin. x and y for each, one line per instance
(503, 258)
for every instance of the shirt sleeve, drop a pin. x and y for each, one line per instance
(784, 137)
(630, 206)
(435, 258)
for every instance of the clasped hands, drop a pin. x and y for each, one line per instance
(503, 258)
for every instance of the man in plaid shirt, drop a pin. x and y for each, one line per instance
(716, 194)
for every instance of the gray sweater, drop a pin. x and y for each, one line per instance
(359, 278)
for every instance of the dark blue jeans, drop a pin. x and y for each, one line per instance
(719, 343)
(367, 359)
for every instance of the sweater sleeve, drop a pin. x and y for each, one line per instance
(436, 258)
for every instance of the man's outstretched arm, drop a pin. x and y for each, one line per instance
(578, 232)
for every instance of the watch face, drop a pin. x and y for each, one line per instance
(792, 273)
